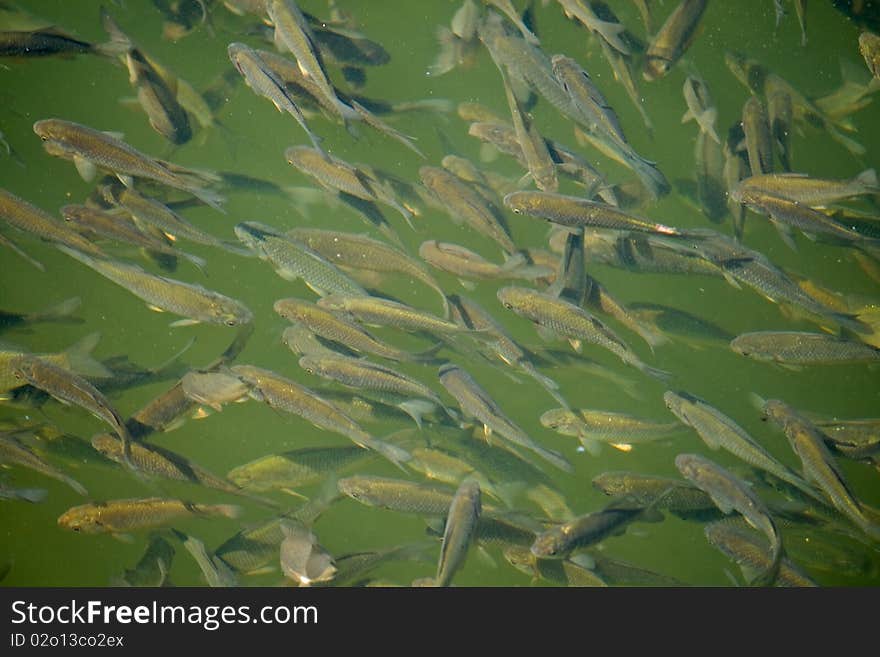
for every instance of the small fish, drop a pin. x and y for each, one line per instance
(121, 516)
(802, 348)
(296, 468)
(561, 540)
(100, 223)
(398, 494)
(14, 452)
(376, 311)
(70, 388)
(593, 428)
(461, 524)
(744, 547)
(465, 204)
(28, 218)
(673, 38)
(340, 176)
(758, 140)
(349, 250)
(390, 385)
(328, 325)
(285, 395)
(32, 495)
(700, 106)
(49, 41)
(90, 149)
(293, 260)
(213, 388)
(811, 191)
(264, 82)
(575, 211)
(152, 568)
(583, 12)
(729, 493)
(163, 413)
(560, 572)
(681, 498)
(808, 442)
(780, 112)
(558, 317)
(711, 192)
(679, 322)
(475, 402)
(194, 302)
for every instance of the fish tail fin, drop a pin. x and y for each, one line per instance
(78, 358)
(663, 375)
(397, 455)
(848, 143)
(32, 495)
(593, 446)
(232, 511)
(416, 408)
(868, 180)
(61, 312)
(75, 485)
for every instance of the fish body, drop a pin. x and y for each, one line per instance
(673, 38)
(461, 526)
(122, 516)
(802, 348)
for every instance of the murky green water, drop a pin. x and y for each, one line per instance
(88, 90)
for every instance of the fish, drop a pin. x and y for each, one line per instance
(744, 547)
(465, 204)
(802, 348)
(14, 452)
(780, 111)
(340, 176)
(609, 32)
(561, 540)
(758, 140)
(352, 251)
(285, 395)
(297, 468)
(193, 302)
(730, 493)
(673, 38)
(148, 213)
(293, 33)
(560, 572)
(155, 460)
(700, 106)
(559, 317)
(461, 261)
(324, 323)
(819, 466)
(91, 149)
(375, 311)
(398, 494)
(100, 223)
(575, 211)
(152, 568)
(302, 558)
(674, 495)
(388, 385)
(461, 524)
(32, 495)
(163, 413)
(70, 388)
(593, 428)
(157, 98)
(679, 322)
(29, 218)
(49, 41)
(294, 260)
(477, 403)
(264, 82)
(711, 192)
(809, 190)
(125, 515)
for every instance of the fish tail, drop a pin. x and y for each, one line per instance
(416, 408)
(61, 312)
(397, 455)
(32, 495)
(78, 358)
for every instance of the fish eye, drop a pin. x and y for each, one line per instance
(508, 305)
(230, 322)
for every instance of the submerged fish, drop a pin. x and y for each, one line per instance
(461, 526)
(121, 516)
(673, 38)
(802, 348)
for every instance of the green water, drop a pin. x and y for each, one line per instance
(88, 89)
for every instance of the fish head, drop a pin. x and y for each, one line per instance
(354, 488)
(656, 68)
(558, 419)
(49, 129)
(293, 310)
(309, 364)
(688, 465)
(230, 312)
(81, 519)
(513, 298)
(549, 544)
(775, 411)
